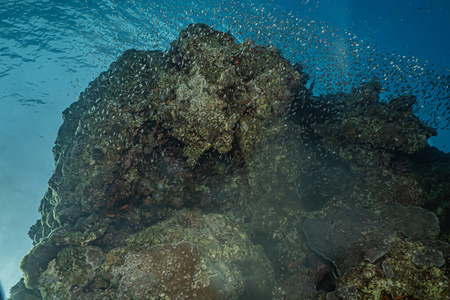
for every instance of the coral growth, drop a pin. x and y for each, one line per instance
(210, 171)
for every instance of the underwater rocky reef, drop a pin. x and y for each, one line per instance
(212, 172)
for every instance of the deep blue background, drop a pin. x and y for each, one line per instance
(416, 27)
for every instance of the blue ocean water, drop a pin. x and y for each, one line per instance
(51, 50)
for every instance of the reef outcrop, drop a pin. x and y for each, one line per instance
(196, 173)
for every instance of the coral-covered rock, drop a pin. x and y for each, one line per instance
(189, 174)
(225, 93)
(360, 119)
(403, 278)
(73, 269)
(186, 257)
(36, 261)
(156, 132)
(136, 131)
